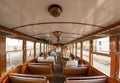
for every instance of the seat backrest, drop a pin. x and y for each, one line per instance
(23, 78)
(39, 69)
(28, 75)
(89, 79)
(19, 79)
(75, 70)
(47, 61)
(48, 64)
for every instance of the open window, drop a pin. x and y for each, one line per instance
(37, 49)
(14, 53)
(101, 55)
(30, 50)
(86, 46)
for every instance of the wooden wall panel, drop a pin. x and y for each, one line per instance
(93, 71)
(90, 52)
(113, 56)
(2, 55)
(81, 52)
(40, 47)
(24, 51)
(76, 49)
(34, 50)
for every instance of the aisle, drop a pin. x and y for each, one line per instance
(57, 74)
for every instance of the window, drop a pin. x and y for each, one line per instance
(42, 47)
(74, 49)
(101, 45)
(30, 50)
(85, 50)
(101, 58)
(13, 53)
(78, 49)
(37, 49)
(45, 49)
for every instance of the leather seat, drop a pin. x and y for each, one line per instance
(88, 79)
(74, 71)
(24, 78)
(45, 70)
(19, 79)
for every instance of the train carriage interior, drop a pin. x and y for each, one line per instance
(55, 41)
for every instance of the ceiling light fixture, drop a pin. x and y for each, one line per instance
(57, 34)
(55, 10)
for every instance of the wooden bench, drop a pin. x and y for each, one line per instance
(24, 78)
(74, 71)
(38, 69)
(47, 61)
(88, 79)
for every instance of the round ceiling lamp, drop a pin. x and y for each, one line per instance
(57, 34)
(55, 10)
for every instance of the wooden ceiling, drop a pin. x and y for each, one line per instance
(78, 20)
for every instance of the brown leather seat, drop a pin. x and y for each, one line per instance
(24, 78)
(89, 79)
(48, 64)
(74, 71)
(19, 79)
(45, 70)
(47, 61)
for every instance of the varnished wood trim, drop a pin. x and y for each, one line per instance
(76, 49)
(90, 52)
(43, 47)
(81, 48)
(44, 23)
(24, 47)
(40, 47)
(118, 60)
(113, 57)
(103, 54)
(73, 47)
(34, 50)
(2, 55)
(16, 33)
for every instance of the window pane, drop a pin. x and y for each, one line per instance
(42, 47)
(37, 49)
(102, 63)
(30, 50)
(13, 52)
(74, 48)
(101, 45)
(86, 50)
(78, 49)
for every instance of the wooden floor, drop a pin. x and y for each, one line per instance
(57, 76)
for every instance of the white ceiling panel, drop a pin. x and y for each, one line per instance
(15, 13)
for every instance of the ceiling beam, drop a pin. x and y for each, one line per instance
(44, 23)
(16, 33)
(97, 32)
